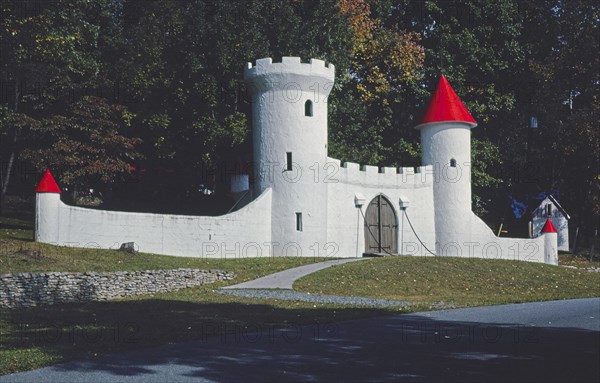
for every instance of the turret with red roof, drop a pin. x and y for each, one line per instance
(550, 235)
(47, 184)
(47, 212)
(446, 145)
(445, 106)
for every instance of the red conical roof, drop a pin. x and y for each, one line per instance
(445, 106)
(548, 227)
(47, 184)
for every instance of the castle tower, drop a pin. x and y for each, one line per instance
(446, 145)
(289, 119)
(47, 200)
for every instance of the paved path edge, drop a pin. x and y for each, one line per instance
(285, 279)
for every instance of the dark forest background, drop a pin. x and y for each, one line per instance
(143, 101)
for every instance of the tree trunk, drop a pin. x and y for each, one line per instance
(9, 166)
(593, 245)
(12, 149)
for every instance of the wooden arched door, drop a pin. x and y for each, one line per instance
(381, 227)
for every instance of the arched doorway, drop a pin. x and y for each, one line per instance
(381, 227)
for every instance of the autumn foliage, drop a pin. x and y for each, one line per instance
(84, 145)
(384, 57)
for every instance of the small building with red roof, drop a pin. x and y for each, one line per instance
(550, 209)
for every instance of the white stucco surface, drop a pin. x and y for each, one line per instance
(47, 214)
(244, 233)
(309, 206)
(550, 248)
(484, 244)
(440, 144)
(279, 94)
(346, 230)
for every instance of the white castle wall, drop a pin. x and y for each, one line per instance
(459, 232)
(550, 248)
(279, 92)
(244, 233)
(47, 214)
(441, 143)
(482, 243)
(346, 229)
(320, 188)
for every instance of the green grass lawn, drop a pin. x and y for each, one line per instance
(582, 261)
(36, 337)
(458, 281)
(39, 336)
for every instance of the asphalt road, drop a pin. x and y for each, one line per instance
(555, 341)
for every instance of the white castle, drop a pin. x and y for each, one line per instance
(308, 204)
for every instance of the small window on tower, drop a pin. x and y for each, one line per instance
(453, 163)
(299, 221)
(549, 210)
(308, 108)
(289, 161)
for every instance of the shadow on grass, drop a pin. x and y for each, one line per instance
(8, 226)
(259, 342)
(26, 229)
(69, 331)
(25, 216)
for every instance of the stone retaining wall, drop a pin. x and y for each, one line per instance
(38, 289)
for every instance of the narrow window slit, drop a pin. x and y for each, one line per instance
(308, 108)
(289, 161)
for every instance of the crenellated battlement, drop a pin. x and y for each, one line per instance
(291, 69)
(385, 177)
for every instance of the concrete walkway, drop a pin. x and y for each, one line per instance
(286, 278)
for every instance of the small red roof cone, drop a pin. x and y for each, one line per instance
(47, 184)
(548, 227)
(445, 106)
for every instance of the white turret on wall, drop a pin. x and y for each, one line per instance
(47, 205)
(289, 105)
(446, 145)
(550, 235)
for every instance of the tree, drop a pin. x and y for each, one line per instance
(85, 146)
(476, 45)
(401, 46)
(562, 77)
(184, 65)
(370, 121)
(11, 126)
(385, 58)
(49, 59)
(177, 65)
